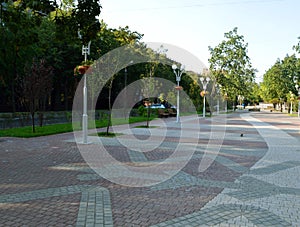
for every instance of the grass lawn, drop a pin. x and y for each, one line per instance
(103, 134)
(293, 115)
(145, 126)
(26, 132)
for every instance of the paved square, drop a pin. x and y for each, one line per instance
(253, 180)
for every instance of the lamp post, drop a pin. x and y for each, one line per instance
(204, 81)
(125, 85)
(85, 52)
(291, 99)
(218, 100)
(178, 73)
(240, 99)
(226, 98)
(298, 89)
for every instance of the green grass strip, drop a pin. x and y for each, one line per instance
(103, 134)
(26, 132)
(145, 126)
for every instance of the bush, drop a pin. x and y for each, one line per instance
(142, 111)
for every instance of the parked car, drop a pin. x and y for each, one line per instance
(157, 106)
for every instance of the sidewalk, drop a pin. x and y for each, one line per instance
(46, 182)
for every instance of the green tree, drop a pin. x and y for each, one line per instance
(297, 73)
(36, 85)
(231, 65)
(110, 39)
(38, 7)
(254, 97)
(85, 15)
(278, 80)
(19, 38)
(297, 46)
(271, 89)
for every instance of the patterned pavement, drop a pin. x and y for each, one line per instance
(252, 180)
(272, 201)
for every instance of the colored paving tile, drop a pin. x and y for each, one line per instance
(248, 183)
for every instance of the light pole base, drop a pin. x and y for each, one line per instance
(85, 128)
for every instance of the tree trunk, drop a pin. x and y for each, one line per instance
(66, 94)
(32, 112)
(33, 123)
(43, 102)
(41, 119)
(109, 107)
(148, 115)
(13, 99)
(108, 122)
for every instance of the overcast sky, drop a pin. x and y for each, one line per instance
(270, 27)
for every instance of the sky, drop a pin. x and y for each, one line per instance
(270, 27)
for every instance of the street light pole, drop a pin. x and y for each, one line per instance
(125, 85)
(178, 73)
(85, 52)
(298, 89)
(240, 99)
(225, 98)
(218, 98)
(291, 99)
(204, 81)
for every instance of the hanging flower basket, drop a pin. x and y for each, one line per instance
(178, 88)
(84, 68)
(147, 103)
(81, 69)
(203, 93)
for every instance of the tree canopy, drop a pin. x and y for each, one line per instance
(50, 30)
(278, 81)
(231, 66)
(55, 31)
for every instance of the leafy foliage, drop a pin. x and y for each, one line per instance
(36, 86)
(85, 17)
(231, 65)
(48, 29)
(278, 81)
